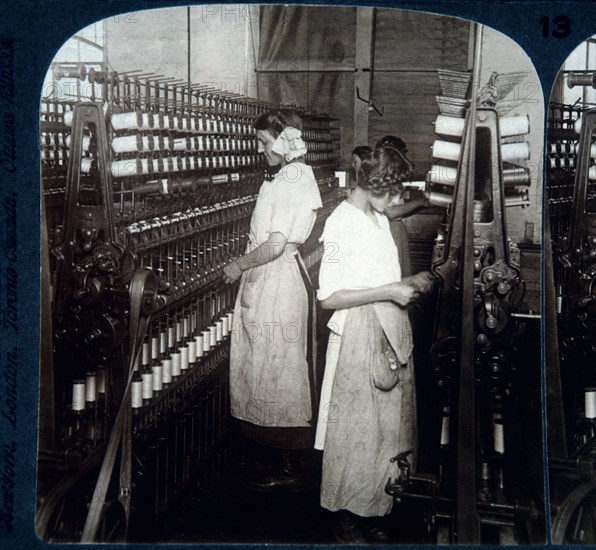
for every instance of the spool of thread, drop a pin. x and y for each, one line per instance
(163, 341)
(443, 175)
(159, 120)
(101, 379)
(184, 123)
(180, 323)
(577, 125)
(175, 364)
(146, 166)
(206, 340)
(78, 395)
(592, 149)
(145, 121)
(161, 143)
(166, 372)
(581, 79)
(161, 165)
(516, 176)
(445, 427)
(449, 126)
(136, 392)
(90, 387)
(86, 165)
(498, 435)
(515, 151)
(213, 336)
(155, 347)
(158, 165)
(146, 353)
(592, 173)
(192, 351)
(183, 357)
(521, 199)
(124, 121)
(137, 365)
(54, 140)
(181, 144)
(125, 168)
(224, 326)
(68, 118)
(558, 148)
(133, 144)
(446, 150)
(589, 403)
(439, 199)
(230, 317)
(514, 126)
(147, 384)
(199, 345)
(85, 142)
(561, 162)
(71, 71)
(163, 186)
(157, 377)
(219, 331)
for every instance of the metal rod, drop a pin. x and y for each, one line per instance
(88, 42)
(188, 44)
(527, 315)
(309, 70)
(467, 521)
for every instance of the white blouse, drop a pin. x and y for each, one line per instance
(286, 205)
(358, 254)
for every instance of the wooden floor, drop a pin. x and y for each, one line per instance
(231, 513)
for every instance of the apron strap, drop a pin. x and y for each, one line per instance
(311, 341)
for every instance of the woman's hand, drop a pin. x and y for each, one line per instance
(232, 272)
(401, 293)
(423, 282)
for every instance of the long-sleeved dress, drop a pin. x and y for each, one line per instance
(269, 379)
(360, 426)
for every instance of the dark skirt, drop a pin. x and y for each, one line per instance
(279, 438)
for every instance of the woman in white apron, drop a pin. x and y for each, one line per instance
(269, 374)
(368, 407)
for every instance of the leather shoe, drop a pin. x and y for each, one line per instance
(347, 530)
(286, 476)
(373, 530)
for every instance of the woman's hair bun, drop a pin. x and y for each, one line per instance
(276, 120)
(385, 171)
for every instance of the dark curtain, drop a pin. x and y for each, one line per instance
(409, 48)
(306, 57)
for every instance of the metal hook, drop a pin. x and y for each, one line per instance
(370, 104)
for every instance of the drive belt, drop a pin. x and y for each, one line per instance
(143, 292)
